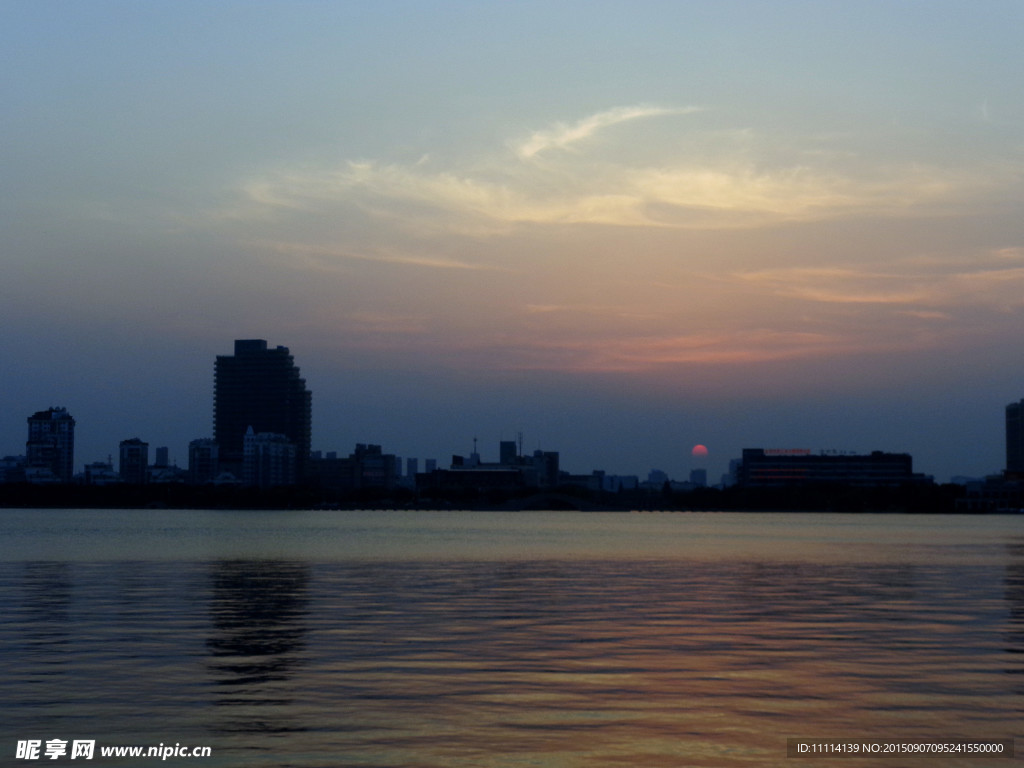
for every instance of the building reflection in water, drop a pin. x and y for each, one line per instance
(1013, 585)
(44, 621)
(258, 611)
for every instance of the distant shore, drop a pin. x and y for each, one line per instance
(932, 499)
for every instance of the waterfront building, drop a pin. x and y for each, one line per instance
(540, 470)
(203, 461)
(492, 478)
(995, 493)
(162, 458)
(50, 448)
(134, 461)
(269, 460)
(261, 388)
(1015, 438)
(375, 469)
(1004, 492)
(781, 468)
(367, 468)
(412, 468)
(100, 473)
(594, 482)
(507, 452)
(330, 472)
(12, 469)
(657, 478)
(618, 483)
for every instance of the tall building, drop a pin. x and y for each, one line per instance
(134, 461)
(261, 388)
(51, 443)
(1015, 437)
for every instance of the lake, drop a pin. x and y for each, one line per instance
(553, 639)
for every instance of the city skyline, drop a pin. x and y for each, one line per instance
(622, 229)
(259, 388)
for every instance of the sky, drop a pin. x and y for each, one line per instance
(619, 229)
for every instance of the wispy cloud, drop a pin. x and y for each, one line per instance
(843, 285)
(563, 136)
(727, 348)
(716, 180)
(383, 323)
(913, 287)
(329, 256)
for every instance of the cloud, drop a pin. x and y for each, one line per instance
(649, 353)
(918, 288)
(1008, 254)
(692, 179)
(842, 285)
(998, 289)
(562, 136)
(326, 256)
(373, 323)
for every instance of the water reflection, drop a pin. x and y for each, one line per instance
(39, 622)
(1014, 595)
(518, 661)
(258, 612)
(438, 664)
(46, 590)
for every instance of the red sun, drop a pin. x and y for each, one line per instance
(699, 451)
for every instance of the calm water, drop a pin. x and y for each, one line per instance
(516, 639)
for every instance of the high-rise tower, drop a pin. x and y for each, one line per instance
(261, 388)
(51, 443)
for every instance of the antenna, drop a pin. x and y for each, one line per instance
(519, 439)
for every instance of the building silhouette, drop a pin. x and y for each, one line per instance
(203, 461)
(367, 468)
(50, 448)
(268, 460)
(1004, 492)
(511, 473)
(133, 460)
(1015, 438)
(261, 388)
(163, 457)
(781, 468)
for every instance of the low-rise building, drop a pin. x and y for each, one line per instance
(268, 460)
(134, 461)
(782, 468)
(203, 461)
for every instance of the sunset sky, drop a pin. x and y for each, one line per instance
(619, 228)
